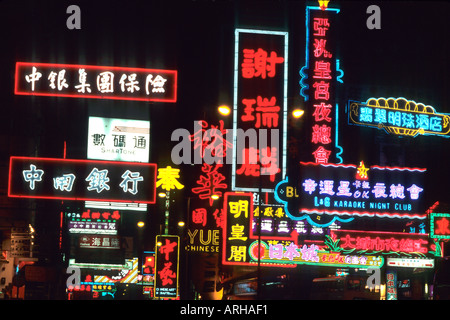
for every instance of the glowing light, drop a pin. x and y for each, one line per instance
(140, 224)
(323, 4)
(297, 113)
(215, 197)
(361, 172)
(162, 194)
(224, 110)
(168, 178)
(181, 224)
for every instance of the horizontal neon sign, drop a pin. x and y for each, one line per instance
(399, 117)
(329, 192)
(97, 82)
(75, 179)
(376, 242)
(311, 255)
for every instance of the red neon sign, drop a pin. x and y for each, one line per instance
(382, 242)
(97, 82)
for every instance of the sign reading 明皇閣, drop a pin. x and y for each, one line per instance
(329, 192)
(98, 82)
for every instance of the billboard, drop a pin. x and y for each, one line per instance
(340, 192)
(118, 139)
(75, 179)
(95, 82)
(260, 109)
(167, 266)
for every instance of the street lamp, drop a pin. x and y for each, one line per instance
(297, 113)
(224, 110)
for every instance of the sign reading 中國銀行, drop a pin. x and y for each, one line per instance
(118, 139)
(399, 116)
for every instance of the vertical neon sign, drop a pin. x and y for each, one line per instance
(260, 108)
(167, 266)
(319, 76)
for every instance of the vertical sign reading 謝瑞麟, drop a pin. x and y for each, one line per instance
(319, 78)
(167, 266)
(260, 109)
(236, 229)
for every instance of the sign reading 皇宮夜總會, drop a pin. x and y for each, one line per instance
(97, 82)
(75, 179)
(336, 192)
(399, 117)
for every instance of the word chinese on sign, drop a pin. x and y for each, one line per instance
(167, 265)
(99, 82)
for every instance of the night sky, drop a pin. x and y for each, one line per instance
(406, 58)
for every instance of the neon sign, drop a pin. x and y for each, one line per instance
(118, 139)
(74, 179)
(319, 76)
(94, 222)
(167, 265)
(291, 253)
(399, 116)
(377, 242)
(334, 192)
(260, 102)
(168, 178)
(97, 82)
(440, 225)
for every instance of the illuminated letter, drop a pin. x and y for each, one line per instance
(374, 21)
(184, 146)
(74, 21)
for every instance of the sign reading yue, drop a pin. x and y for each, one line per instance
(399, 117)
(70, 179)
(325, 193)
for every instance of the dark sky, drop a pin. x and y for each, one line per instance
(407, 58)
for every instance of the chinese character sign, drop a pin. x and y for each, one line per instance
(98, 82)
(320, 76)
(399, 117)
(167, 266)
(440, 225)
(260, 108)
(236, 235)
(73, 179)
(329, 192)
(118, 139)
(384, 243)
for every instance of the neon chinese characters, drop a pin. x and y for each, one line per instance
(99, 82)
(72, 179)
